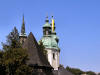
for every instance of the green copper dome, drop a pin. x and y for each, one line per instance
(55, 38)
(46, 25)
(54, 44)
(49, 39)
(46, 42)
(50, 42)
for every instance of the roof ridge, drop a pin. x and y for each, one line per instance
(36, 55)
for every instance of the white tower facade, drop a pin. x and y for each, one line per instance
(53, 58)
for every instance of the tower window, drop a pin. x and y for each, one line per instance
(47, 33)
(53, 55)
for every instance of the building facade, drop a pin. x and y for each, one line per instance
(37, 60)
(50, 42)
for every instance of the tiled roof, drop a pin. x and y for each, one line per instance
(62, 71)
(36, 56)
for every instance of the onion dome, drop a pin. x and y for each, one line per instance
(47, 23)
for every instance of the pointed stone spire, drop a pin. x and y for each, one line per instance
(23, 28)
(23, 35)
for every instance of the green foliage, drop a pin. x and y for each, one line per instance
(2, 66)
(75, 71)
(13, 57)
(14, 62)
(12, 40)
(61, 65)
(90, 73)
(42, 47)
(14, 35)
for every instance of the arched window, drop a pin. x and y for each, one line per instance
(54, 56)
(47, 32)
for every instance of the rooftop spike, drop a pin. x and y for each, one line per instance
(23, 18)
(47, 20)
(46, 23)
(23, 27)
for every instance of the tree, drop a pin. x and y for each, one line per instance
(13, 57)
(75, 71)
(15, 61)
(12, 40)
(2, 66)
(42, 47)
(90, 73)
(61, 65)
(14, 35)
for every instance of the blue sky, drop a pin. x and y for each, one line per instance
(77, 25)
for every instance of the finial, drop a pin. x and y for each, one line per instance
(47, 20)
(23, 27)
(52, 16)
(46, 17)
(23, 18)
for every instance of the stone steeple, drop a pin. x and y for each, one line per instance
(22, 35)
(23, 28)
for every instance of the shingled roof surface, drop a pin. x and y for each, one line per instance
(62, 71)
(36, 56)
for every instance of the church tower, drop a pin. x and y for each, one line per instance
(22, 35)
(50, 41)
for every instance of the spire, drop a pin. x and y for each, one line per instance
(23, 27)
(47, 22)
(46, 19)
(36, 55)
(23, 19)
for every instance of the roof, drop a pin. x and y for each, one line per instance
(50, 42)
(62, 71)
(47, 25)
(36, 56)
